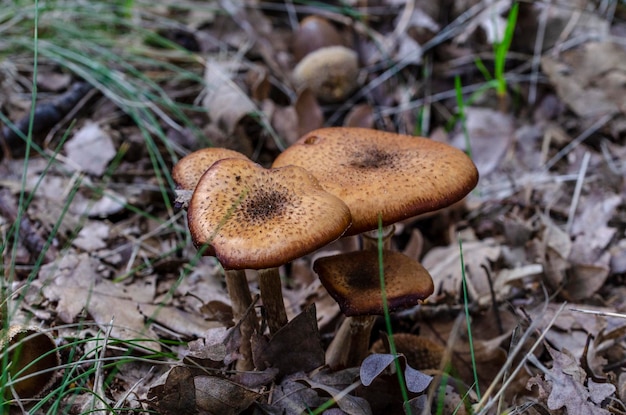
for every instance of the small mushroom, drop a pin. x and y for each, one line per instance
(353, 280)
(331, 73)
(376, 172)
(314, 33)
(251, 217)
(34, 360)
(190, 168)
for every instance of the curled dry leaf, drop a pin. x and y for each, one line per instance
(310, 115)
(174, 393)
(377, 364)
(293, 397)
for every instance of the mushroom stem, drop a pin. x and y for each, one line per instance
(241, 299)
(370, 238)
(351, 342)
(272, 296)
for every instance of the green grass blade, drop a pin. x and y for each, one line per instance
(392, 345)
(502, 49)
(467, 319)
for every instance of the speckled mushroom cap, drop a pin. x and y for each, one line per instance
(373, 171)
(190, 168)
(252, 217)
(352, 279)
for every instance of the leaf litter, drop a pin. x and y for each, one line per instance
(545, 226)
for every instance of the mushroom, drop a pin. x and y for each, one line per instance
(314, 33)
(34, 360)
(353, 280)
(381, 175)
(251, 217)
(186, 174)
(331, 73)
(376, 172)
(190, 168)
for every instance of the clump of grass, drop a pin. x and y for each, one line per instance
(110, 45)
(496, 81)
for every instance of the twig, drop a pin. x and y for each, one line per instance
(575, 142)
(599, 313)
(534, 74)
(505, 385)
(30, 236)
(577, 189)
(494, 302)
(98, 392)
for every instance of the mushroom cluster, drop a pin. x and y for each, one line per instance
(384, 177)
(331, 182)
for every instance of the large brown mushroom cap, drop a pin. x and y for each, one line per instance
(190, 168)
(251, 217)
(398, 176)
(352, 279)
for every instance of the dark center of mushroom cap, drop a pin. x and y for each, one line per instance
(360, 277)
(264, 205)
(373, 158)
(251, 217)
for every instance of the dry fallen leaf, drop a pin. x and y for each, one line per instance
(490, 20)
(590, 79)
(295, 347)
(444, 264)
(376, 364)
(215, 395)
(174, 393)
(351, 405)
(226, 103)
(181, 392)
(91, 149)
(75, 285)
(491, 134)
(566, 385)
